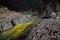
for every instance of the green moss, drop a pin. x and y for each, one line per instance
(15, 31)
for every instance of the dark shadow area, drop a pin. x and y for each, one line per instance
(26, 5)
(43, 7)
(47, 17)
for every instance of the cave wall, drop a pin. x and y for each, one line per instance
(26, 4)
(42, 6)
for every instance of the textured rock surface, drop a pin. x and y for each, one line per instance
(9, 18)
(45, 29)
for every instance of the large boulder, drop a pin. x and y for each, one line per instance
(8, 18)
(45, 29)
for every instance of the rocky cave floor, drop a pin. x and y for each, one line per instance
(42, 29)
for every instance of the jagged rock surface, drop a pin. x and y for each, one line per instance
(9, 18)
(45, 29)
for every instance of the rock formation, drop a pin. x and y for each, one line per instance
(10, 18)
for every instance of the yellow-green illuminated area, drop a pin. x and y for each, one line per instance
(14, 32)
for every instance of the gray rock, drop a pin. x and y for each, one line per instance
(0, 29)
(6, 25)
(49, 29)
